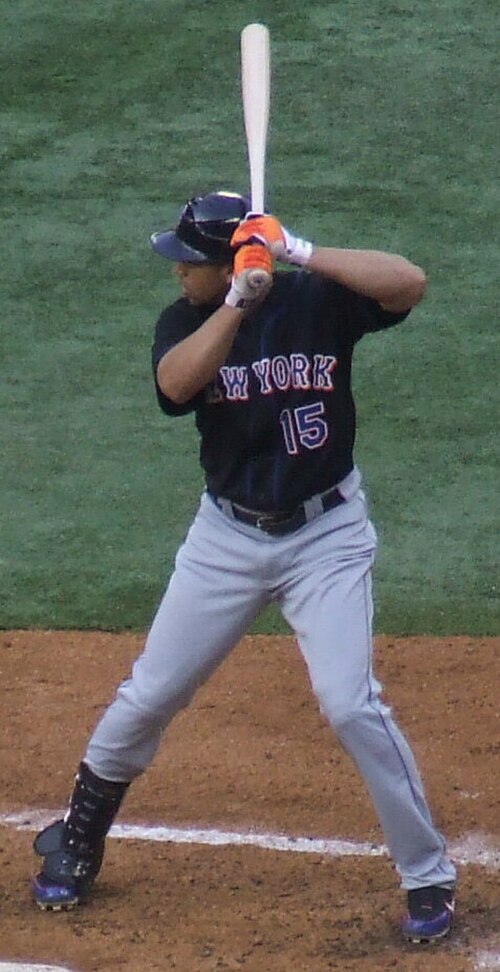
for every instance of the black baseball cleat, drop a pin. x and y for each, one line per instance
(430, 914)
(69, 869)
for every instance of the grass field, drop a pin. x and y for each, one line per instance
(383, 134)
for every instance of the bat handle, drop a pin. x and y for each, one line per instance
(257, 279)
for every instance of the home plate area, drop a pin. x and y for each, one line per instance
(250, 844)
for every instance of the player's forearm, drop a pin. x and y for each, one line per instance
(189, 366)
(388, 278)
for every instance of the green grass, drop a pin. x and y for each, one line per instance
(383, 134)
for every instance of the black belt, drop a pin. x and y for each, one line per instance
(280, 523)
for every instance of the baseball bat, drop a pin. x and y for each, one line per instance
(255, 91)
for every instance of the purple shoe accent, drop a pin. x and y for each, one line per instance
(53, 897)
(430, 914)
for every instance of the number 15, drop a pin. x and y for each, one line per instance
(304, 426)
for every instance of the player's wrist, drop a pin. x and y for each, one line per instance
(236, 299)
(291, 249)
(298, 251)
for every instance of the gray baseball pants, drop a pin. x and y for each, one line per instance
(320, 576)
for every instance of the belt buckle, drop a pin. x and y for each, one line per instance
(275, 526)
(261, 521)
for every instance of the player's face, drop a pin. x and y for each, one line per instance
(203, 283)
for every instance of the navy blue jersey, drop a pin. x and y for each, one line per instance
(278, 423)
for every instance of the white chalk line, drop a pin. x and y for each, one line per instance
(473, 849)
(477, 849)
(490, 962)
(487, 961)
(484, 962)
(22, 967)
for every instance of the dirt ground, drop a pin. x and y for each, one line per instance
(252, 753)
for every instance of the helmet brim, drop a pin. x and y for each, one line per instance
(168, 245)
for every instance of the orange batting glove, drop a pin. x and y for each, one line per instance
(269, 231)
(252, 276)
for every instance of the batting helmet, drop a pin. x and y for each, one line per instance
(204, 230)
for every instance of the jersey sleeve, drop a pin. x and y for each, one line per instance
(368, 316)
(174, 324)
(360, 315)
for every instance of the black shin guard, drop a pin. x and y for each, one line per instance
(93, 807)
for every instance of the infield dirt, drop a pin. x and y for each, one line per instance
(251, 753)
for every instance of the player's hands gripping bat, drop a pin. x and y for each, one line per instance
(267, 230)
(252, 262)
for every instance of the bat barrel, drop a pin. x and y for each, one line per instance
(255, 89)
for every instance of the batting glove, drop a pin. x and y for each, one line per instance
(252, 276)
(269, 231)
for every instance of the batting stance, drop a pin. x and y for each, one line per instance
(283, 518)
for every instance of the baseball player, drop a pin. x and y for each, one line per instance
(266, 370)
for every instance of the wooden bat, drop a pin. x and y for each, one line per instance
(255, 92)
